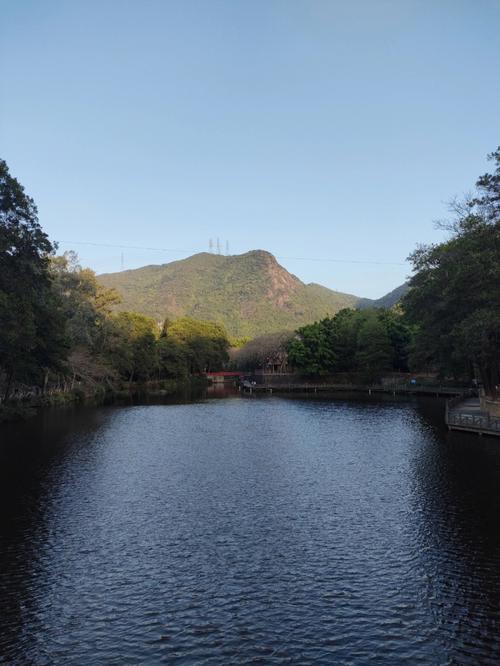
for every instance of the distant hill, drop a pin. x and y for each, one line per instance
(250, 294)
(386, 301)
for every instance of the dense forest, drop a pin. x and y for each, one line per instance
(454, 295)
(57, 325)
(368, 342)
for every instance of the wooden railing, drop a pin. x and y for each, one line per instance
(482, 423)
(396, 388)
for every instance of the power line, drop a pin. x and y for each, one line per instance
(131, 247)
(345, 261)
(192, 249)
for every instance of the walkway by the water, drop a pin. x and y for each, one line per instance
(394, 389)
(466, 414)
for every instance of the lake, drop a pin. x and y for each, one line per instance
(235, 530)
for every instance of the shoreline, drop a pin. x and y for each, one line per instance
(23, 409)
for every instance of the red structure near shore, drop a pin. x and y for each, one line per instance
(217, 377)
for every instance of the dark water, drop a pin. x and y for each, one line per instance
(249, 530)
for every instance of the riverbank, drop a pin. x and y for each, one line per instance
(194, 386)
(25, 408)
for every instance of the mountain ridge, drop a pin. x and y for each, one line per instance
(385, 301)
(249, 294)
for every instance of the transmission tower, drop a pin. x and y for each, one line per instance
(227, 248)
(218, 245)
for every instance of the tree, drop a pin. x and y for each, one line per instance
(488, 185)
(374, 353)
(311, 351)
(454, 296)
(400, 334)
(31, 335)
(343, 338)
(205, 343)
(265, 351)
(131, 345)
(172, 359)
(84, 302)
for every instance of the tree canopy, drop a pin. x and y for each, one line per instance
(31, 328)
(454, 296)
(363, 341)
(265, 351)
(205, 344)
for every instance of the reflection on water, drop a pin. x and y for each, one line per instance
(231, 530)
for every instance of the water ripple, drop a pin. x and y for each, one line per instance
(249, 531)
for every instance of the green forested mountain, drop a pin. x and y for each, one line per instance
(386, 301)
(249, 293)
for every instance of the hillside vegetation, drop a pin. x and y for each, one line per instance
(249, 294)
(387, 301)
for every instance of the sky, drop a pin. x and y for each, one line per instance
(332, 134)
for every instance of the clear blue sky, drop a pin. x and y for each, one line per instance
(310, 128)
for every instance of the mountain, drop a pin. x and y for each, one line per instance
(386, 301)
(250, 293)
